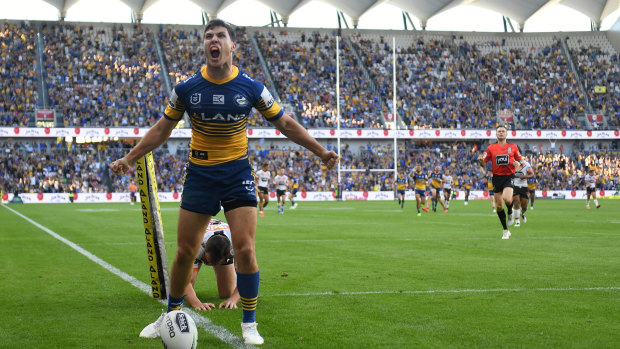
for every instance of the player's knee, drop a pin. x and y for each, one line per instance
(185, 254)
(245, 254)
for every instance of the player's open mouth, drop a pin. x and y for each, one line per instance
(214, 51)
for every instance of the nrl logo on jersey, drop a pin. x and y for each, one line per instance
(240, 100)
(195, 98)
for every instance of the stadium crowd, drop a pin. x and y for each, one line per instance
(44, 167)
(18, 93)
(111, 76)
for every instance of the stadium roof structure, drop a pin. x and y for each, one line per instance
(517, 10)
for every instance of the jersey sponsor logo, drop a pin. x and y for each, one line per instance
(240, 100)
(218, 99)
(267, 98)
(195, 98)
(502, 159)
(220, 117)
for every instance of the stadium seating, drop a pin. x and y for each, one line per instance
(112, 75)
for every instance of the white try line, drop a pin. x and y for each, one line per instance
(491, 290)
(218, 331)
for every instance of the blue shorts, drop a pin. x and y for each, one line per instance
(420, 192)
(207, 188)
(401, 192)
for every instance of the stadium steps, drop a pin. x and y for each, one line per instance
(371, 83)
(573, 69)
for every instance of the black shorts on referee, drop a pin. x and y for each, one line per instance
(502, 181)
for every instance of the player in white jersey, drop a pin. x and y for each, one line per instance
(263, 177)
(520, 195)
(281, 182)
(447, 187)
(216, 251)
(590, 179)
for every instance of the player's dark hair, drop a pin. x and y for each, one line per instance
(218, 247)
(216, 22)
(501, 125)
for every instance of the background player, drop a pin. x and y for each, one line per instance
(401, 185)
(420, 179)
(520, 195)
(436, 178)
(132, 193)
(447, 187)
(294, 185)
(466, 184)
(590, 179)
(281, 182)
(531, 186)
(504, 157)
(263, 176)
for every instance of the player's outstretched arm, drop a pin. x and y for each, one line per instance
(155, 137)
(295, 132)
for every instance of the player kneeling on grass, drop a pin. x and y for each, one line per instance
(216, 251)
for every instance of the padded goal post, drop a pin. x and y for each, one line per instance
(153, 229)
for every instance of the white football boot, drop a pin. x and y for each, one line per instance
(250, 333)
(517, 223)
(510, 220)
(506, 235)
(152, 330)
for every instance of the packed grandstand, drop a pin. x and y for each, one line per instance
(75, 96)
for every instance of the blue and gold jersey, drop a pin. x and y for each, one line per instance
(436, 179)
(401, 182)
(218, 111)
(420, 180)
(294, 183)
(531, 183)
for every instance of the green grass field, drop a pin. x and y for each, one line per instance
(333, 275)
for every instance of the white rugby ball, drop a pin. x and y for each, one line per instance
(178, 331)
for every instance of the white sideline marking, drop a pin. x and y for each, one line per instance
(218, 331)
(558, 289)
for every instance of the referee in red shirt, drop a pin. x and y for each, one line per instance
(505, 159)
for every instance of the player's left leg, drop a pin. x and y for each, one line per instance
(516, 199)
(524, 202)
(595, 200)
(242, 221)
(501, 214)
(507, 195)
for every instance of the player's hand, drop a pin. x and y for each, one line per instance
(120, 166)
(228, 304)
(203, 306)
(330, 159)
